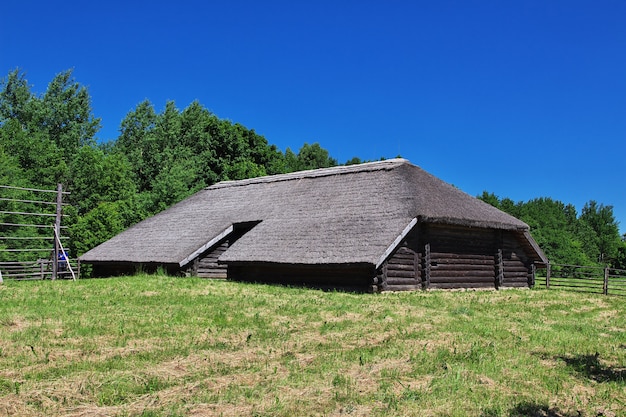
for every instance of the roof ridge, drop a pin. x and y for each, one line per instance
(387, 164)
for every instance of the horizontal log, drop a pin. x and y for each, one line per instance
(478, 274)
(462, 279)
(450, 286)
(448, 255)
(460, 267)
(212, 269)
(485, 261)
(512, 277)
(401, 267)
(401, 274)
(510, 274)
(515, 284)
(393, 263)
(210, 265)
(402, 281)
(401, 258)
(515, 267)
(219, 268)
(403, 287)
(516, 278)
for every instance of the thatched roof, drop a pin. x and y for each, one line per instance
(348, 214)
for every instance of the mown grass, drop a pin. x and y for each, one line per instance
(157, 346)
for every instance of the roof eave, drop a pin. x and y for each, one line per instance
(391, 248)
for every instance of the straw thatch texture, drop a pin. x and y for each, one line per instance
(328, 216)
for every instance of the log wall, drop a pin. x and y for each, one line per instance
(402, 271)
(461, 257)
(207, 266)
(517, 267)
(445, 256)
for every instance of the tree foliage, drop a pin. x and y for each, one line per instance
(591, 238)
(158, 159)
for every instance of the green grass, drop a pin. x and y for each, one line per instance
(157, 346)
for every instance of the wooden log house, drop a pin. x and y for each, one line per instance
(381, 226)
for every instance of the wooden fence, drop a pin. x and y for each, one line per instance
(594, 279)
(30, 223)
(40, 269)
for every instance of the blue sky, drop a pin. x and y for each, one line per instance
(524, 99)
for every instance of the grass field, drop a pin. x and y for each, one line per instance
(158, 346)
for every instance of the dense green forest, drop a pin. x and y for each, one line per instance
(161, 158)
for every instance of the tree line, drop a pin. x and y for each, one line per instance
(160, 158)
(591, 238)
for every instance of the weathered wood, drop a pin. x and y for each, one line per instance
(401, 267)
(455, 285)
(515, 267)
(508, 274)
(402, 287)
(401, 274)
(447, 255)
(499, 269)
(449, 278)
(401, 281)
(516, 284)
(399, 259)
(426, 267)
(480, 274)
(461, 267)
(466, 260)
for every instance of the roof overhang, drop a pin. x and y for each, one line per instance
(543, 259)
(207, 245)
(391, 248)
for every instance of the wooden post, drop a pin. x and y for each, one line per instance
(426, 282)
(548, 275)
(499, 269)
(57, 228)
(605, 287)
(533, 272)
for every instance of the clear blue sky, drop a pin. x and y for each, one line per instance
(520, 98)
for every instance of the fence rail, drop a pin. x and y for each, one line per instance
(36, 270)
(593, 279)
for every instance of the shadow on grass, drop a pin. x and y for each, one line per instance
(527, 409)
(590, 367)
